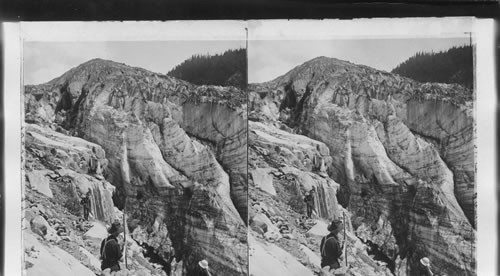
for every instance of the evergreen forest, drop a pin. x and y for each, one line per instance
(452, 66)
(226, 69)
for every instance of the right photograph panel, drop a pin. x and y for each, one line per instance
(362, 156)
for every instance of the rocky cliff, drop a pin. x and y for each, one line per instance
(398, 155)
(171, 155)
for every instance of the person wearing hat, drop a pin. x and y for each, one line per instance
(309, 200)
(203, 269)
(330, 247)
(86, 205)
(425, 267)
(111, 252)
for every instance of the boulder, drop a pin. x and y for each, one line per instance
(263, 180)
(28, 215)
(318, 230)
(107, 272)
(39, 182)
(267, 209)
(39, 225)
(262, 224)
(97, 233)
(52, 236)
(312, 257)
(272, 236)
(91, 259)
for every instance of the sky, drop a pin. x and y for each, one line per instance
(269, 59)
(44, 61)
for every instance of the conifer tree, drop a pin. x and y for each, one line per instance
(452, 66)
(227, 69)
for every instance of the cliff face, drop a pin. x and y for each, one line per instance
(394, 156)
(64, 170)
(401, 152)
(175, 152)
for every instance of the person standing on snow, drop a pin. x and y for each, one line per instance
(330, 247)
(86, 205)
(111, 251)
(309, 200)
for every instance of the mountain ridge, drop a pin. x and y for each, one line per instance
(227, 69)
(403, 193)
(185, 197)
(454, 65)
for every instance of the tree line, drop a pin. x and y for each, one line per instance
(227, 69)
(452, 66)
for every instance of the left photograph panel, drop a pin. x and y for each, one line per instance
(134, 154)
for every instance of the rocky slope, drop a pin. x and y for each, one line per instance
(170, 154)
(398, 155)
(56, 240)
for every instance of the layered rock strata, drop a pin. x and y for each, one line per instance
(281, 237)
(402, 152)
(175, 152)
(70, 168)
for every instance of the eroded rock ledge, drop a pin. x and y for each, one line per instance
(401, 151)
(175, 152)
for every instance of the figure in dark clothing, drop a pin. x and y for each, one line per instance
(86, 205)
(309, 200)
(111, 251)
(330, 247)
(92, 166)
(202, 269)
(424, 269)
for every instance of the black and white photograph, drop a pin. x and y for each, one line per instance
(134, 157)
(357, 147)
(362, 155)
